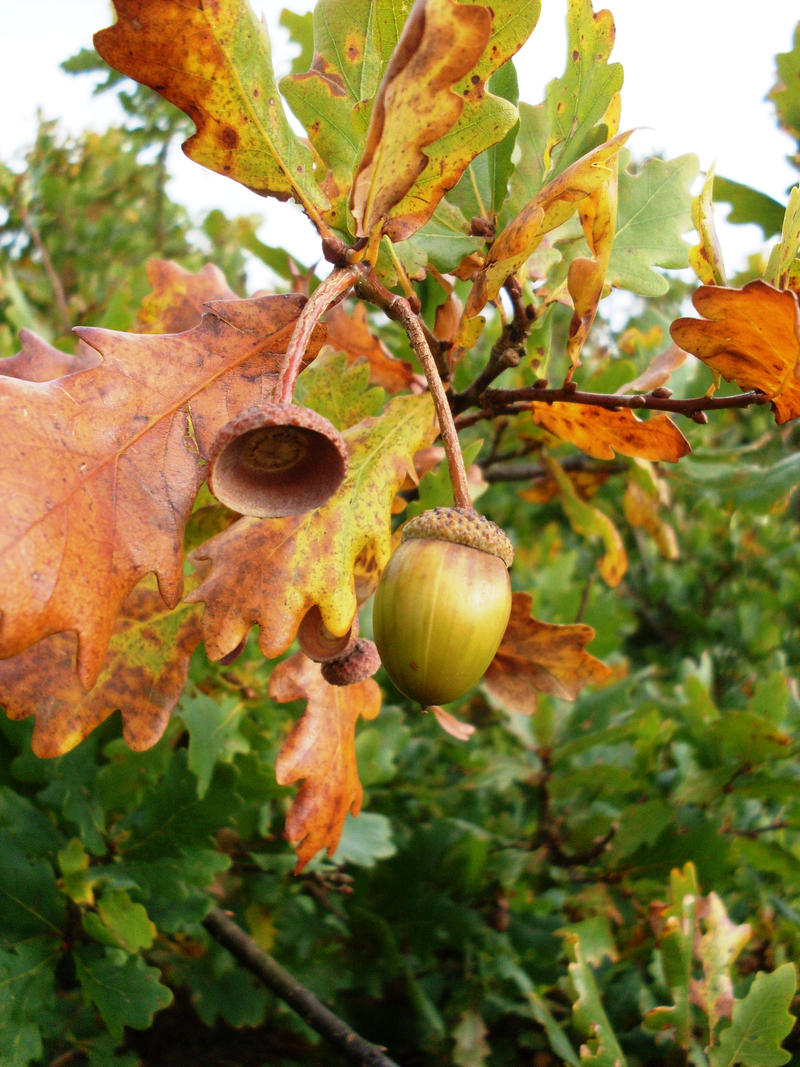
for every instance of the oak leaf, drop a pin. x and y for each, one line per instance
(213, 61)
(142, 676)
(751, 336)
(178, 297)
(350, 333)
(591, 522)
(415, 106)
(657, 372)
(541, 657)
(600, 433)
(39, 361)
(552, 206)
(321, 750)
(99, 470)
(271, 572)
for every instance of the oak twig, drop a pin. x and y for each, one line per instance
(513, 401)
(355, 1048)
(399, 309)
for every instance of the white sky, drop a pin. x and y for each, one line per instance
(696, 74)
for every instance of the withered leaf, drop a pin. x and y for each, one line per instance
(751, 336)
(271, 572)
(321, 750)
(142, 676)
(600, 433)
(541, 657)
(39, 361)
(100, 469)
(213, 61)
(657, 372)
(415, 105)
(178, 298)
(350, 333)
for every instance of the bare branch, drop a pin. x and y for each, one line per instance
(355, 1048)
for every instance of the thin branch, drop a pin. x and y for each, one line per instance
(507, 350)
(500, 471)
(355, 1048)
(505, 400)
(399, 309)
(47, 263)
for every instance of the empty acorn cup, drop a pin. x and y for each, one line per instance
(275, 460)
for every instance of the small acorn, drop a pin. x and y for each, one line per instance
(356, 665)
(443, 603)
(276, 460)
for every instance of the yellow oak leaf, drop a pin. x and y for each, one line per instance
(750, 336)
(321, 750)
(213, 61)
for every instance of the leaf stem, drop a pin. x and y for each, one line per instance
(338, 282)
(399, 309)
(283, 984)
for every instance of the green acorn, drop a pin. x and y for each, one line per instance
(443, 603)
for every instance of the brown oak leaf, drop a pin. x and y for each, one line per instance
(751, 336)
(142, 676)
(541, 657)
(321, 750)
(178, 298)
(600, 433)
(38, 361)
(99, 470)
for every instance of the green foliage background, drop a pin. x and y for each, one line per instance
(565, 888)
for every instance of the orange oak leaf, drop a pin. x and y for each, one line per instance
(213, 61)
(142, 676)
(99, 470)
(415, 106)
(177, 300)
(350, 333)
(600, 433)
(321, 750)
(586, 277)
(271, 572)
(541, 657)
(38, 361)
(751, 336)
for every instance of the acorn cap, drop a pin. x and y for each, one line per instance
(358, 665)
(317, 641)
(275, 460)
(461, 526)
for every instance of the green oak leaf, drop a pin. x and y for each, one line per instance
(654, 211)
(760, 1022)
(340, 393)
(213, 725)
(749, 205)
(120, 923)
(123, 988)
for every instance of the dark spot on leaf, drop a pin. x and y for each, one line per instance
(256, 94)
(229, 137)
(576, 54)
(475, 79)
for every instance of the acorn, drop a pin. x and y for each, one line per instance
(443, 603)
(356, 665)
(276, 460)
